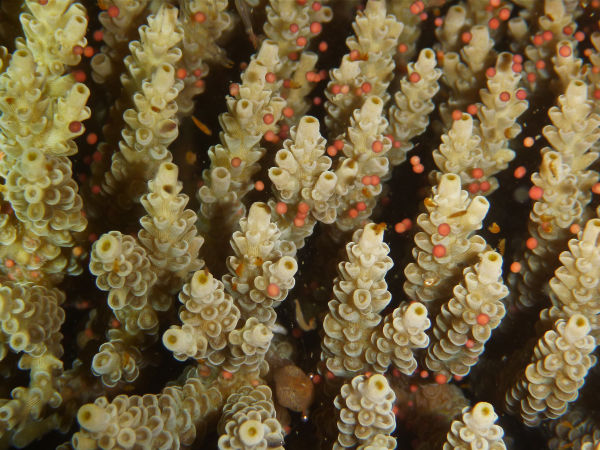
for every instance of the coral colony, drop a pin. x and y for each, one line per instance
(263, 308)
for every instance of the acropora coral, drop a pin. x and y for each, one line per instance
(257, 224)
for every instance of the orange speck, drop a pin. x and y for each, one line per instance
(531, 243)
(456, 114)
(234, 89)
(443, 229)
(414, 77)
(273, 290)
(236, 162)
(504, 96)
(377, 146)
(288, 112)
(477, 173)
(596, 188)
(439, 251)
(353, 213)
(528, 142)
(564, 51)
(316, 28)
(440, 378)
(493, 23)
(294, 28)
(466, 37)
(472, 109)
(227, 375)
(199, 17)
(9, 263)
(113, 11)
(91, 138)
(536, 193)
(470, 343)
(259, 186)
(323, 46)
(423, 374)
(485, 186)
(520, 172)
(419, 168)
(504, 14)
(575, 228)
(515, 267)
(483, 319)
(490, 72)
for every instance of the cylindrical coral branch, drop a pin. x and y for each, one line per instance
(151, 123)
(402, 332)
(248, 421)
(574, 287)
(560, 362)
(302, 177)
(465, 323)
(208, 315)
(169, 232)
(263, 268)
(369, 63)
(365, 149)
(170, 419)
(360, 295)
(365, 406)
(409, 116)
(447, 244)
(476, 430)
(253, 110)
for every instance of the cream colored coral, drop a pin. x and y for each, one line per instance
(38, 112)
(208, 315)
(117, 361)
(28, 405)
(248, 347)
(576, 429)
(51, 31)
(360, 295)
(465, 323)
(365, 406)
(557, 370)
(476, 430)
(365, 149)
(296, 61)
(409, 116)
(200, 45)
(151, 123)
(402, 332)
(235, 160)
(248, 421)
(465, 73)
(169, 232)
(31, 317)
(263, 267)
(431, 278)
(117, 32)
(170, 419)
(497, 122)
(302, 175)
(43, 195)
(460, 151)
(376, 35)
(574, 287)
(122, 268)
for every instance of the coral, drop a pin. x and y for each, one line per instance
(171, 171)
